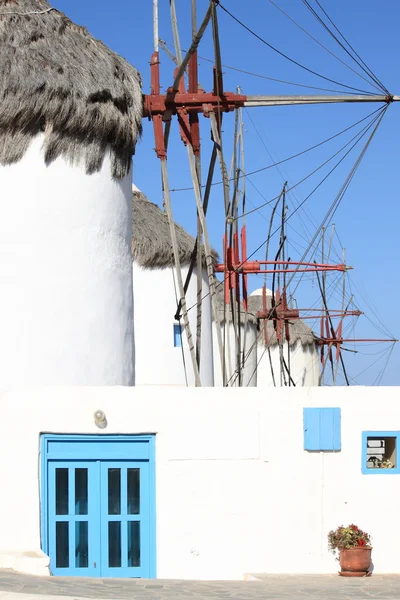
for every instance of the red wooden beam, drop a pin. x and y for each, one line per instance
(243, 237)
(199, 102)
(256, 266)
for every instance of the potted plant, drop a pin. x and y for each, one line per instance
(353, 545)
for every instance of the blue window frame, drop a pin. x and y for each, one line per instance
(177, 336)
(322, 430)
(380, 452)
(98, 505)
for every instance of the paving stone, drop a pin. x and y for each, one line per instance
(14, 586)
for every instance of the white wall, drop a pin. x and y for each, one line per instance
(157, 361)
(66, 311)
(236, 492)
(248, 340)
(304, 365)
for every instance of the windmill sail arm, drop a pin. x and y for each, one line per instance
(316, 99)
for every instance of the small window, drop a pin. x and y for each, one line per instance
(177, 336)
(380, 452)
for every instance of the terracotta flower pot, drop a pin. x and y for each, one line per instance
(355, 562)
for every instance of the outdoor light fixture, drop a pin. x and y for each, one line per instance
(100, 419)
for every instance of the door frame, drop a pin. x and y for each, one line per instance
(147, 441)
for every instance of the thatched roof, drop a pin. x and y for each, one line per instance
(151, 243)
(57, 79)
(225, 311)
(298, 330)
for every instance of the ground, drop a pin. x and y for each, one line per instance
(14, 586)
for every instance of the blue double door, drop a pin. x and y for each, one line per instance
(100, 512)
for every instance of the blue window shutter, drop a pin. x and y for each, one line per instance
(311, 428)
(322, 429)
(177, 336)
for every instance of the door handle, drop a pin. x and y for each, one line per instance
(95, 564)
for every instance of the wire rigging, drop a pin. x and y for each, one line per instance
(359, 135)
(379, 88)
(295, 62)
(165, 45)
(367, 69)
(280, 162)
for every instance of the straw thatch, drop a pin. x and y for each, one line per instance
(58, 80)
(151, 242)
(298, 330)
(225, 310)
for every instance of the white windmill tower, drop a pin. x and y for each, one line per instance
(70, 115)
(284, 362)
(162, 355)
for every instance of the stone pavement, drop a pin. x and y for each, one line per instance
(14, 586)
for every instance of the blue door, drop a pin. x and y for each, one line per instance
(99, 516)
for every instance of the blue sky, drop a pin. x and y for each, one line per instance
(367, 221)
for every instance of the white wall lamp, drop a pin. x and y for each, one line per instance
(100, 419)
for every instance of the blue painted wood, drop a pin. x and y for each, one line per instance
(87, 447)
(322, 429)
(177, 336)
(72, 452)
(123, 519)
(71, 519)
(379, 434)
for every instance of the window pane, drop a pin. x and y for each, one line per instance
(81, 544)
(114, 544)
(81, 491)
(133, 543)
(133, 491)
(62, 545)
(61, 491)
(381, 453)
(114, 491)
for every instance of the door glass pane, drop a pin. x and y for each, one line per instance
(133, 543)
(114, 491)
(81, 491)
(81, 544)
(133, 491)
(61, 491)
(62, 544)
(114, 544)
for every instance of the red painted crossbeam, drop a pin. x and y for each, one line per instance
(201, 102)
(257, 267)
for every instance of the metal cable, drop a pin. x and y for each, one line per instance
(186, 189)
(164, 45)
(370, 72)
(379, 88)
(360, 135)
(288, 57)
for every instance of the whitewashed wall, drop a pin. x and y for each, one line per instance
(66, 309)
(304, 365)
(236, 492)
(248, 341)
(157, 361)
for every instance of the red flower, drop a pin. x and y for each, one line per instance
(354, 527)
(361, 542)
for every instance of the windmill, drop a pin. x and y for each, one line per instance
(186, 100)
